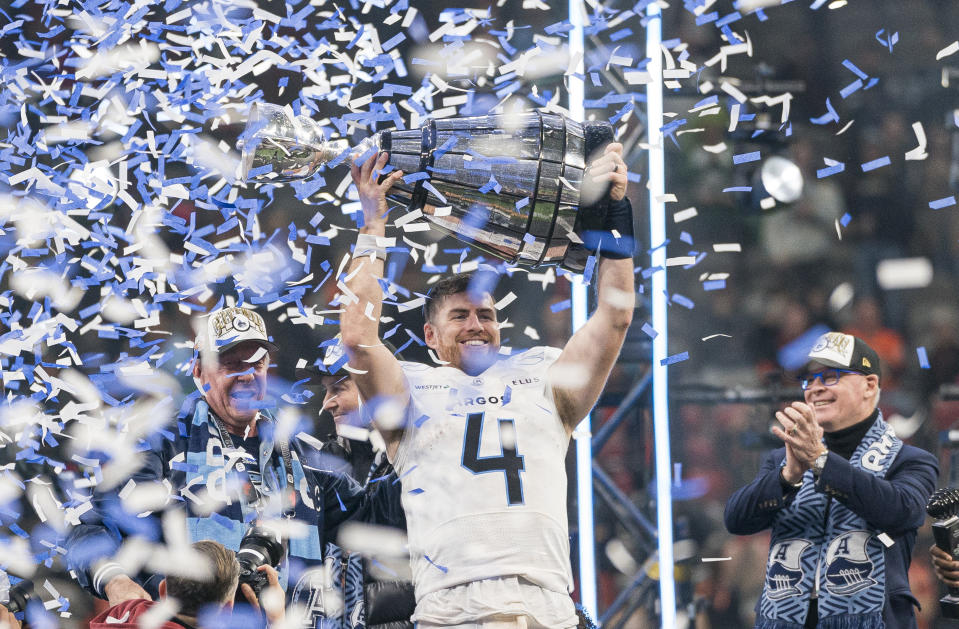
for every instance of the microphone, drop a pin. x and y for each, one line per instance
(943, 505)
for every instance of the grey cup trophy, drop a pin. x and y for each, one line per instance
(511, 185)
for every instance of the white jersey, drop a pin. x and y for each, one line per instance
(482, 463)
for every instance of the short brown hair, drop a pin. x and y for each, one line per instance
(453, 285)
(192, 594)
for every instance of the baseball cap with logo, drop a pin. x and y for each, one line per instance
(228, 327)
(845, 351)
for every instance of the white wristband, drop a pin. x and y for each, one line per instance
(103, 574)
(368, 245)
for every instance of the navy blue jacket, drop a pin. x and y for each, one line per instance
(895, 505)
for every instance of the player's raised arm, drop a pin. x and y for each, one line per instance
(580, 373)
(375, 370)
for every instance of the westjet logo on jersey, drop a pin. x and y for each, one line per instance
(431, 387)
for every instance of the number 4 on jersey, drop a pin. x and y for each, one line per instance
(508, 462)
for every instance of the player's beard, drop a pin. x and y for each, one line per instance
(469, 360)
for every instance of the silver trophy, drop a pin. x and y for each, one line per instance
(511, 185)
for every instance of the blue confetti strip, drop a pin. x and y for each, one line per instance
(830, 170)
(706, 18)
(436, 565)
(849, 65)
(744, 158)
(944, 202)
(890, 41)
(650, 331)
(876, 163)
(851, 88)
(829, 116)
(561, 305)
(923, 359)
(223, 521)
(844, 221)
(647, 273)
(675, 358)
(414, 177)
(393, 42)
(589, 269)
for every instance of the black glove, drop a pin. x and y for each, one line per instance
(619, 217)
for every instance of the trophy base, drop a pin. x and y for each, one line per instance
(949, 605)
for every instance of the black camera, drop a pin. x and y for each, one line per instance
(20, 596)
(260, 546)
(943, 505)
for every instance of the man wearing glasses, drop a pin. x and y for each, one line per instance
(843, 499)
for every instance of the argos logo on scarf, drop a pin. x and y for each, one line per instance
(784, 572)
(848, 566)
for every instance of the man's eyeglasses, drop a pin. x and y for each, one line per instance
(829, 377)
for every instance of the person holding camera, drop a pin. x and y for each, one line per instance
(221, 461)
(844, 499)
(198, 598)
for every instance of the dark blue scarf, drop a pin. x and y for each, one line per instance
(851, 560)
(213, 472)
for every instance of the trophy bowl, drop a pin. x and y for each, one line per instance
(509, 184)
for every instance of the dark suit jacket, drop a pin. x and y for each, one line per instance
(894, 505)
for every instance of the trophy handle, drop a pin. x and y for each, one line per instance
(591, 215)
(427, 146)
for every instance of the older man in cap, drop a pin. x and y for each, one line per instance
(222, 462)
(843, 498)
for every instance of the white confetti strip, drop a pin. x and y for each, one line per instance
(949, 50)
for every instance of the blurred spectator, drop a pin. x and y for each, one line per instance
(938, 230)
(882, 221)
(942, 348)
(804, 234)
(867, 324)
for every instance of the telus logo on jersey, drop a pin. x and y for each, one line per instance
(522, 381)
